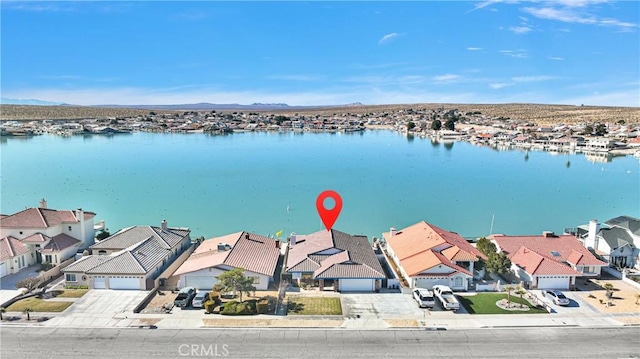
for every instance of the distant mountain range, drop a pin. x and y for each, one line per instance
(13, 101)
(191, 106)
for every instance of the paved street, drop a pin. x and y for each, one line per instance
(243, 343)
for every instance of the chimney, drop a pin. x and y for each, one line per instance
(392, 232)
(292, 239)
(246, 236)
(163, 224)
(594, 228)
(43, 203)
(221, 247)
(80, 218)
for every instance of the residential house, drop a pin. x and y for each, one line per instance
(427, 255)
(132, 258)
(257, 255)
(37, 235)
(548, 261)
(617, 240)
(333, 258)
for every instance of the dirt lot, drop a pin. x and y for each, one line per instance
(156, 303)
(623, 301)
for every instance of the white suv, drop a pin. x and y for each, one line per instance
(424, 298)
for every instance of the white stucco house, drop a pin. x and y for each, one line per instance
(40, 234)
(132, 258)
(617, 240)
(427, 255)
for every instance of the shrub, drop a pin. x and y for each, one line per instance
(30, 283)
(76, 287)
(209, 306)
(214, 296)
(262, 306)
(237, 308)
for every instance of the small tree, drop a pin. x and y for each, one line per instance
(450, 124)
(102, 235)
(236, 282)
(498, 263)
(521, 292)
(508, 288)
(27, 311)
(436, 125)
(3, 310)
(609, 288)
(485, 246)
(30, 283)
(411, 125)
(637, 299)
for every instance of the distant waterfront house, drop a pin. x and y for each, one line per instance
(548, 261)
(132, 258)
(617, 240)
(427, 255)
(257, 255)
(345, 261)
(37, 235)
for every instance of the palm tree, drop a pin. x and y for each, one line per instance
(2, 310)
(508, 288)
(521, 292)
(27, 311)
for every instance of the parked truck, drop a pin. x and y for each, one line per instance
(184, 297)
(446, 297)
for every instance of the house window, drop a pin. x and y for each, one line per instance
(102, 252)
(70, 277)
(457, 282)
(256, 280)
(48, 258)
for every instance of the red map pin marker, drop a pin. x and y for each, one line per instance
(329, 216)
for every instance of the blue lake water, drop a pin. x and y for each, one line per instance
(266, 182)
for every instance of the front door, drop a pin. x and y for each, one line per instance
(38, 257)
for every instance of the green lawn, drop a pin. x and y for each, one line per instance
(313, 306)
(485, 303)
(70, 293)
(38, 305)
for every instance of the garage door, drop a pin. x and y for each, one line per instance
(123, 282)
(3, 269)
(99, 282)
(356, 285)
(553, 283)
(200, 282)
(428, 283)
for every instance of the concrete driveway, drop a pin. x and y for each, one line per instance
(9, 282)
(576, 306)
(382, 306)
(100, 308)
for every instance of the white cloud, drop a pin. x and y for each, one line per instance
(520, 29)
(532, 78)
(570, 15)
(446, 78)
(388, 37)
(474, 48)
(518, 54)
(555, 58)
(499, 85)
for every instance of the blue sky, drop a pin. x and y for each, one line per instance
(322, 53)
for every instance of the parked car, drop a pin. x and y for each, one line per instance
(199, 299)
(185, 295)
(424, 298)
(557, 297)
(446, 297)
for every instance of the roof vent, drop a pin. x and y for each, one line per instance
(548, 234)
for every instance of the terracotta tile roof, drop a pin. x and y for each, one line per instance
(537, 264)
(41, 218)
(423, 246)
(36, 238)
(59, 242)
(345, 256)
(11, 247)
(252, 252)
(131, 236)
(423, 261)
(565, 246)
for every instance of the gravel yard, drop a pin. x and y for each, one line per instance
(624, 297)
